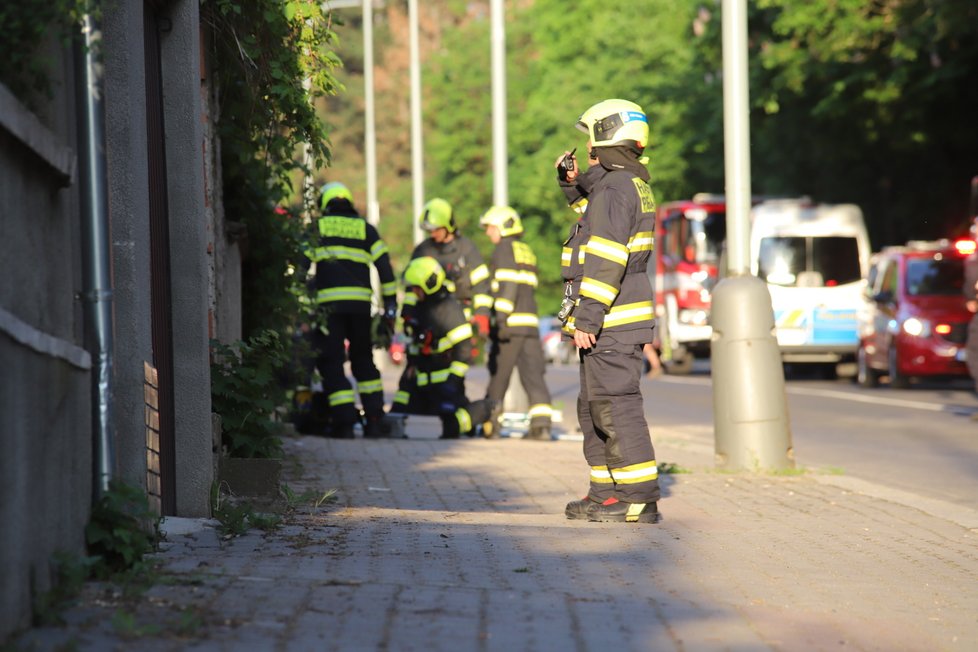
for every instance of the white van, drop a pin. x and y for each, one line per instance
(814, 258)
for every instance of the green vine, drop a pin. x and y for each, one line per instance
(271, 61)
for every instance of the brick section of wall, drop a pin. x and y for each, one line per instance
(152, 409)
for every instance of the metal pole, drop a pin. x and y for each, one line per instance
(749, 405)
(417, 155)
(370, 139)
(95, 231)
(500, 184)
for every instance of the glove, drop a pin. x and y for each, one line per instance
(481, 323)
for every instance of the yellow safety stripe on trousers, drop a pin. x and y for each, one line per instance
(370, 387)
(607, 249)
(389, 289)
(636, 473)
(641, 241)
(479, 274)
(458, 368)
(454, 336)
(339, 252)
(402, 397)
(342, 397)
(629, 313)
(464, 420)
(348, 293)
(503, 305)
(598, 291)
(601, 475)
(566, 254)
(540, 410)
(378, 249)
(481, 301)
(522, 276)
(340, 226)
(522, 319)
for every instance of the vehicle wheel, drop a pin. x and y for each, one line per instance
(865, 375)
(897, 380)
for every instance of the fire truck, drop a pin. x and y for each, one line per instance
(689, 240)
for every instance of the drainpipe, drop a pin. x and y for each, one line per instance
(96, 253)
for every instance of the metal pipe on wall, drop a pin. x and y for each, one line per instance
(95, 231)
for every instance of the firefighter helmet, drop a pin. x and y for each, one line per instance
(425, 273)
(437, 214)
(615, 122)
(504, 218)
(334, 190)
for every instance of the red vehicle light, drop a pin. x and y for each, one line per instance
(942, 329)
(966, 247)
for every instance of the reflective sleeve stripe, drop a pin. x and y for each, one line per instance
(389, 289)
(581, 255)
(410, 299)
(565, 256)
(342, 397)
(540, 410)
(503, 305)
(370, 387)
(482, 301)
(598, 291)
(450, 285)
(352, 293)
(479, 274)
(454, 336)
(522, 319)
(580, 205)
(636, 473)
(422, 379)
(523, 277)
(378, 249)
(641, 241)
(464, 419)
(601, 475)
(607, 249)
(459, 368)
(402, 398)
(338, 252)
(439, 376)
(629, 313)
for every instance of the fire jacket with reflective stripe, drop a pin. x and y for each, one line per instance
(607, 255)
(347, 247)
(440, 320)
(466, 276)
(513, 270)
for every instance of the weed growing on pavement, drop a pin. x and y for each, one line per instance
(70, 572)
(128, 626)
(315, 498)
(122, 528)
(670, 468)
(522, 569)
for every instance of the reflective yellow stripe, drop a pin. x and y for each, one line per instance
(479, 274)
(522, 319)
(566, 256)
(540, 410)
(342, 397)
(370, 387)
(629, 313)
(402, 397)
(482, 301)
(503, 305)
(601, 475)
(459, 368)
(450, 285)
(352, 293)
(636, 473)
(338, 226)
(378, 249)
(521, 276)
(338, 252)
(410, 299)
(454, 336)
(607, 249)
(422, 379)
(598, 291)
(439, 376)
(389, 289)
(580, 205)
(464, 419)
(641, 241)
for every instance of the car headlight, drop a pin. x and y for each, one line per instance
(916, 327)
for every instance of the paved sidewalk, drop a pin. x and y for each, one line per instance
(462, 545)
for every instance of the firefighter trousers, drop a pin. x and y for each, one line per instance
(525, 353)
(331, 353)
(617, 444)
(445, 399)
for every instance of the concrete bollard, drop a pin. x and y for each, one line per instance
(750, 409)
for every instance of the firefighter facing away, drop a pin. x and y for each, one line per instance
(610, 314)
(466, 275)
(348, 246)
(439, 354)
(515, 333)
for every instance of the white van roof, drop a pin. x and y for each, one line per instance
(801, 217)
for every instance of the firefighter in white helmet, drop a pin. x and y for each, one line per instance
(608, 311)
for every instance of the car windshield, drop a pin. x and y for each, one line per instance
(707, 236)
(809, 261)
(938, 276)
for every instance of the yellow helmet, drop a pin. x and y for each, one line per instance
(437, 214)
(334, 190)
(615, 122)
(504, 218)
(425, 273)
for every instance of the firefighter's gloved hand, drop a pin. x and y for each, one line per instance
(383, 332)
(481, 323)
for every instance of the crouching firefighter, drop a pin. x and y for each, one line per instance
(439, 354)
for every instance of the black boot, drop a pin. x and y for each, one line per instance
(340, 431)
(622, 512)
(577, 510)
(376, 427)
(539, 433)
